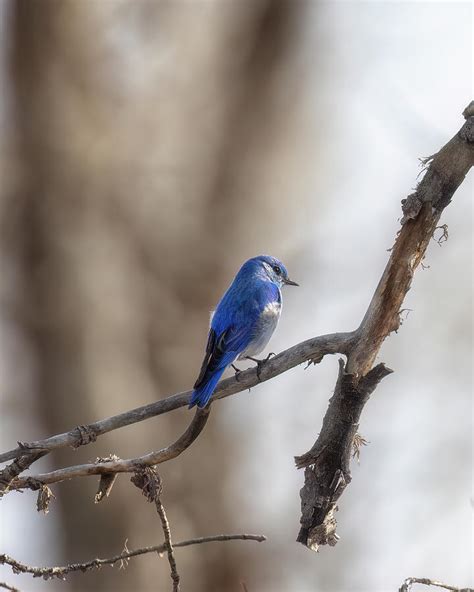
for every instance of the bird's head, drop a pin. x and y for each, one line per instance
(273, 269)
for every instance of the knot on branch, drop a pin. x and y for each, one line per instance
(149, 481)
(85, 435)
(411, 207)
(32, 483)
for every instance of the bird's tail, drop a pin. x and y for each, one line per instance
(203, 392)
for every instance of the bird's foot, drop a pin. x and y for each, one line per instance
(260, 363)
(237, 372)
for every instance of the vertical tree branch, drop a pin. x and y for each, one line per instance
(327, 470)
(149, 481)
(169, 545)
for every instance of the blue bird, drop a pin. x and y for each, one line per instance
(243, 321)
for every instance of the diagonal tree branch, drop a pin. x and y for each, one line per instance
(308, 351)
(327, 470)
(62, 571)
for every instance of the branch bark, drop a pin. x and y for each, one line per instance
(327, 471)
(111, 467)
(312, 350)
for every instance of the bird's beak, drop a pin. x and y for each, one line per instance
(289, 282)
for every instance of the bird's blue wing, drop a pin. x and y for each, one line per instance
(232, 329)
(221, 351)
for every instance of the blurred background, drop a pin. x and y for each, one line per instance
(147, 148)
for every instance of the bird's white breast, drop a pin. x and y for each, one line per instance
(265, 327)
(271, 311)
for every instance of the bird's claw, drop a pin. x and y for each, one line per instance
(237, 372)
(261, 363)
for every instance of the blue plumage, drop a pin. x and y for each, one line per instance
(243, 321)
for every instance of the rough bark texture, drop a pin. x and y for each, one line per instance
(329, 473)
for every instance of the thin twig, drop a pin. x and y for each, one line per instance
(8, 587)
(169, 545)
(63, 571)
(407, 584)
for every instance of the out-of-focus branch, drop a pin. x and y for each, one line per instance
(327, 463)
(408, 583)
(312, 350)
(61, 572)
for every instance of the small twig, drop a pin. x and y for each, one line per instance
(444, 234)
(357, 444)
(61, 572)
(8, 587)
(149, 481)
(407, 584)
(169, 545)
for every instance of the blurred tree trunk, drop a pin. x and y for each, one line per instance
(141, 128)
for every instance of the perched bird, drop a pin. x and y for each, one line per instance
(243, 321)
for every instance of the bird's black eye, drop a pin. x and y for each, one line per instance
(277, 269)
